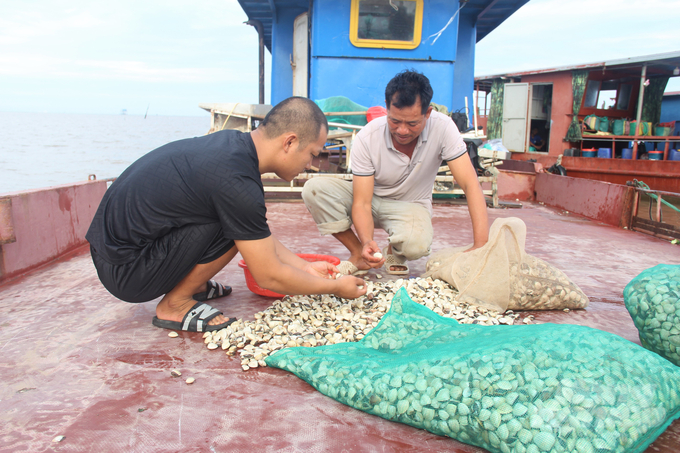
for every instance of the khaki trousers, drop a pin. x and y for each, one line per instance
(408, 225)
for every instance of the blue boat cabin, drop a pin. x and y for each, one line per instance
(352, 48)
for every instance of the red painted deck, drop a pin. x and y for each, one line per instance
(80, 363)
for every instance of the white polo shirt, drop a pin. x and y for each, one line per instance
(396, 176)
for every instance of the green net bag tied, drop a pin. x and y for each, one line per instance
(653, 301)
(527, 389)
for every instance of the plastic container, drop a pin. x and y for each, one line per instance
(375, 112)
(674, 154)
(592, 152)
(626, 153)
(254, 287)
(604, 152)
(655, 155)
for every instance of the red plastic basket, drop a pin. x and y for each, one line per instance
(254, 287)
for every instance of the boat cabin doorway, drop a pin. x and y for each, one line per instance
(527, 117)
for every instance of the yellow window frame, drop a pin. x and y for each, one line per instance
(385, 43)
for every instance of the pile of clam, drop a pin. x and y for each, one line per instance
(552, 388)
(320, 320)
(537, 285)
(653, 301)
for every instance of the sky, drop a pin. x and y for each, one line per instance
(166, 57)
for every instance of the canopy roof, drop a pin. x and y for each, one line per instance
(489, 13)
(661, 64)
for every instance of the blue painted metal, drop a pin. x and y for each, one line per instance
(490, 13)
(464, 75)
(339, 68)
(261, 10)
(282, 51)
(364, 80)
(330, 38)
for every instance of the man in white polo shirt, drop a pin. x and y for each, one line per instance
(395, 160)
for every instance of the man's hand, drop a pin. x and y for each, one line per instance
(350, 287)
(368, 253)
(322, 269)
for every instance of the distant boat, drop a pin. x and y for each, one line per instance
(123, 112)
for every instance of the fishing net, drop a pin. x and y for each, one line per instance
(653, 301)
(342, 104)
(501, 275)
(526, 389)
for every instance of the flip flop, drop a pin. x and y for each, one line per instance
(391, 260)
(215, 291)
(348, 268)
(196, 320)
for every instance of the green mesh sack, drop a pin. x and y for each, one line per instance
(342, 104)
(653, 301)
(603, 124)
(526, 389)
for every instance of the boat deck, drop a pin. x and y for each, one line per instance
(82, 364)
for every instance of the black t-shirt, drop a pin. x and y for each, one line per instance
(202, 180)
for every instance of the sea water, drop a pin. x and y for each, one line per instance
(39, 150)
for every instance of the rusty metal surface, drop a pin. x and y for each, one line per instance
(596, 200)
(80, 363)
(6, 225)
(47, 223)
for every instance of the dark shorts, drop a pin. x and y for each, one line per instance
(163, 264)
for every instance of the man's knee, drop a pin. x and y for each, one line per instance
(311, 190)
(415, 248)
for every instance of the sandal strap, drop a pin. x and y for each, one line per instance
(393, 260)
(215, 290)
(199, 316)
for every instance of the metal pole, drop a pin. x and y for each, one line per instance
(643, 76)
(260, 31)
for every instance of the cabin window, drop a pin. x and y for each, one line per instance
(606, 99)
(625, 91)
(592, 90)
(608, 94)
(388, 24)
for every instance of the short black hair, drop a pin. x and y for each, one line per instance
(410, 85)
(295, 114)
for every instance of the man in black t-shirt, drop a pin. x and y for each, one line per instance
(179, 214)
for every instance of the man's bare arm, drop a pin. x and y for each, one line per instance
(465, 175)
(362, 217)
(270, 272)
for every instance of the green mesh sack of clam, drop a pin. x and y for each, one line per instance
(527, 389)
(653, 301)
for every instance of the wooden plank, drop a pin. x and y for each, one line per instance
(655, 228)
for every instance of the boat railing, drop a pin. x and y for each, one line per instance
(655, 212)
